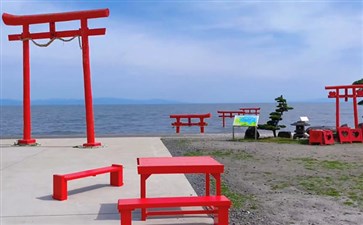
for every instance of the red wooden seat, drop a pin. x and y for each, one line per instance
(60, 181)
(219, 204)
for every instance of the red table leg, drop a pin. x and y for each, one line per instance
(143, 179)
(207, 184)
(217, 176)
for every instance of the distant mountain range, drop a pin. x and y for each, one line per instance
(125, 101)
(96, 101)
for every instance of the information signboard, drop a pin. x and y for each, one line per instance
(245, 120)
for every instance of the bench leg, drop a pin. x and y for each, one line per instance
(116, 178)
(59, 187)
(222, 217)
(126, 217)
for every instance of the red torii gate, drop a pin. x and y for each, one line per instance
(349, 91)
(84, 32)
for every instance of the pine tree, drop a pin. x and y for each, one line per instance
(276, 117)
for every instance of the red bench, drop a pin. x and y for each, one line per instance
(60, 181)
(219, 207)
(230, 114)
(189, 122)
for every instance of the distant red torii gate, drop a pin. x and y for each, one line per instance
(84, 32)
(348, 91)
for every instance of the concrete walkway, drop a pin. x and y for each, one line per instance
(27, 185)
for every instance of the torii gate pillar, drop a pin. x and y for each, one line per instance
(27, 140)
(84, 32)
(87, 87)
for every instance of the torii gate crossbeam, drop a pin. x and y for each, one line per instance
(84, 32)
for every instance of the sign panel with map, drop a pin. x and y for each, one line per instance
(245, 120)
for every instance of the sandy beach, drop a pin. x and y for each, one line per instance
(283, 183)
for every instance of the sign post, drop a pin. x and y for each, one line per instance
(245, 121)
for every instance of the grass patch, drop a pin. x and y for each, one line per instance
(277, 140)
(220, 153)
(336, 165)
(194, 153)
(314, 164)
(240, 155)
(182, 142)
(309, 163)
(336, 179)
(280, 186)
(319, 186)
(348, 203)
(238, 200)
(342, 187)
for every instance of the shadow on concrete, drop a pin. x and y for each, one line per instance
(75, 191)
(108, 211)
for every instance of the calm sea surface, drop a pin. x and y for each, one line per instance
(127, 120)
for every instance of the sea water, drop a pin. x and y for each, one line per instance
(125, 120)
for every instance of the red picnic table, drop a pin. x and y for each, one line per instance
(178, 165)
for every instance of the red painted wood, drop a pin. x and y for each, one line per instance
(16, 20)
(57, 34)
(208, 115)
(345, 135)
(357, 135)
(321, 137)
(60, 181)
(27, 139)
(179, 165)
(163, 202)
(84, 32)
(189, 122)
(346, 92)
(220, 205)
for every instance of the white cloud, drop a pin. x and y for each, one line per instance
(309, 42)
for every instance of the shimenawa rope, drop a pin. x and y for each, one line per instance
(51, 40)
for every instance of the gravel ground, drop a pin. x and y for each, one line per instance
(273, 179)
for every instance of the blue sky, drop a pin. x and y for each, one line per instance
(194, 51)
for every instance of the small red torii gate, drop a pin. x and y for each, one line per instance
(84, 32)
(348, 91)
